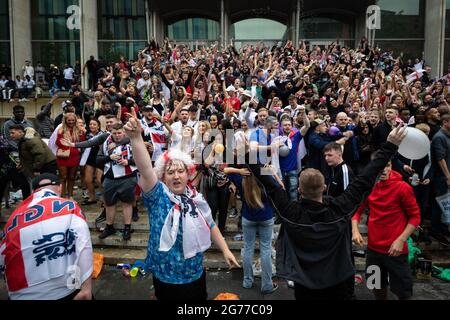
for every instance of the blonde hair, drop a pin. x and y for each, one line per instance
(252, 192)
(423, 127)
(75, 135)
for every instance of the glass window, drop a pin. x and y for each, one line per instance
(325, 28)
(447, 57)
(194, 29)
(52, 41)
(122, 20)
(112, 51)
(57, 53)
(4, 20)
(411, 49)
(49, 20)
(447, 19)
(5, 53)
(258, 29)
(447, 40)
(402, 19)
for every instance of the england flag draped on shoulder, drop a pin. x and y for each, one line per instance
(46, 250)
(125, 152)
(156, 134)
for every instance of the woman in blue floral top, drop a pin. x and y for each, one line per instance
(181, 227)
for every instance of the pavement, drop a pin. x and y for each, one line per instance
(112, 285)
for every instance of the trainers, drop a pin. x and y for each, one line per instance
(135, 216)
(109, 231)
(441, 239)
(85, 194)
(101, 217)
(233, 213)
(275, 288)
(126, 234)
(290, 284)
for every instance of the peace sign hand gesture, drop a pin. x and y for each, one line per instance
(133, 127)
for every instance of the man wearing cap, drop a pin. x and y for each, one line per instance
(317, 140)
(67, 106)
(46, 250)
(248, 106)
(28, 70)
(153, 133)
(144, 84)
(231, 98)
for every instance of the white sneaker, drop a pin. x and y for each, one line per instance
(85, 195)
(290, 284)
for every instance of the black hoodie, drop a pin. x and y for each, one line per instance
(314, 244)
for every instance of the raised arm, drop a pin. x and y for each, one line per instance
(357, 191)
(148, 178)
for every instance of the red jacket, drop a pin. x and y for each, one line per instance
(393, 206)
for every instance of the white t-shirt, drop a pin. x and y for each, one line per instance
(28, 71)
(68, 73)
(141, 84)
(19, 84)
(29, 84)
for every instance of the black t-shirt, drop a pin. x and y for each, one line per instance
(91, 66)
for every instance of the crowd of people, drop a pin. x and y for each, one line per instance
(37, 80)
(305, 137)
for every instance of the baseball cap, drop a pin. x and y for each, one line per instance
(231, 88)
(54, 181)
(66, 103)
(317, 122)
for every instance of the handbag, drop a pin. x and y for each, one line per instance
(444, 204)
(62, 154)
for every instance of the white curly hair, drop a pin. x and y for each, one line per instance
(174, 154)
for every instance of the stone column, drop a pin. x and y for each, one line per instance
(20, 34)
(88, 33)
(435, 35)
(297, 23)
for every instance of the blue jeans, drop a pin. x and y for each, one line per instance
(439, 188)
(290, 180)
(265, 231)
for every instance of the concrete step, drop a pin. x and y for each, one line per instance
(140, 240)
(213, 259)
(142, 225)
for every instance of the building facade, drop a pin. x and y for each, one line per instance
(64, 31)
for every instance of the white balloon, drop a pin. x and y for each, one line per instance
(416, 144)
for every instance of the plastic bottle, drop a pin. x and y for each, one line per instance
(134, 272)
(126, 272)
(415, 180)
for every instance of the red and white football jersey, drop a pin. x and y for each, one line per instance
(46, 250)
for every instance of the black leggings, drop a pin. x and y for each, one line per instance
(194, 291)
(218, 198)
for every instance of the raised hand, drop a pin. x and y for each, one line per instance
(397, 135)
(66, 143)
(133, 127)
